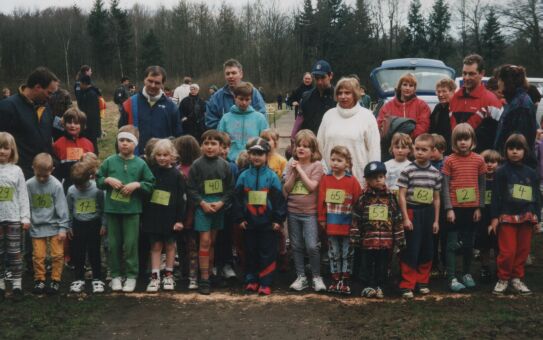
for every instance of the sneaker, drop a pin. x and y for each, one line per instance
(520, 287)
(407, 294)
(17, 294)
(368, 292)
(379, 293)
(53, 288)
(333, 287)
(129, 285)
(468, 281)
(203, 287)
(456, 286)
(501, 287)
(318, 284)
(154, 285)
(193, 284)
(116, 284)
(77, 286)
(252, 287)
(39, 287)
(264, 290)
(168, 283)
(98, 286)
(228, 272)
(300, 283)
(423, 289)
(344, 287)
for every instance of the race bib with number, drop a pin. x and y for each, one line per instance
(42, 201)
(6, 194)
(335, 196)
(378, 212)
(74, 154)
(299, 189)
(85, 206)
(522, 192)
(160, 197)
(423, 195)
(213, 186)
(258, 197)
(465, 195)
(488, 197)
(116, 195)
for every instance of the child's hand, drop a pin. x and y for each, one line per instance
(276, 226)
(493, 226)
(451, 217)
(128, 189)
(207, 208)
(217, 205)
(103, 231)
(477, 215)
(294, 164)
(243, 225)
(114, 183)
(178, 226)
(26, 226)
(61, 235)
(435, 227)
(407, 224)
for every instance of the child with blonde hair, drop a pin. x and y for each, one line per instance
(401, 148)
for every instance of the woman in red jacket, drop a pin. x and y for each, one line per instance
(406, 104)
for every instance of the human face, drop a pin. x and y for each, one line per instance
(464, 145)
(42, 175)
(233, 76)
(308, 79)
(272, 143)
(211, 148)
(338, 164)
(323, 82)
(89, 72)
(444, 95)
(491, 167)
(423, 152)
(472, 78)
(437, 154)
(153, 84)
(5, 154)
(377, 182)
(257, 158)
(515, 154)
(40, 94)
(400, 152)
(345, 98)
(194, 90)
(243, 102)
(126, 147)
(73, 128)
(407, 89)
(163, 159)
(225, 149)
(303, 152)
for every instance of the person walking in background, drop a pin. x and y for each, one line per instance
(192, 111)
(182, 91)
(296, 96)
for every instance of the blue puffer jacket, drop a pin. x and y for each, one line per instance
(221, 102)
(242, 126)
(261, 179)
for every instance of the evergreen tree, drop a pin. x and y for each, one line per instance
(492, 39)
(439, 24)
(97, 26)
(304, 27)
(121, 36)
(151, 51)
(415, 43)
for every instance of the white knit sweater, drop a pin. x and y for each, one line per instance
(13, 181)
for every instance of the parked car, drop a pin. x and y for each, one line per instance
(427, 71)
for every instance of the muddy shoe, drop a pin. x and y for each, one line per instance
(53, 288)
(39, 287)
(204, 287)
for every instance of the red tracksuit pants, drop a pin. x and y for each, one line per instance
(514, 241)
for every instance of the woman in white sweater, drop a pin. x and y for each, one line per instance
(352, 126)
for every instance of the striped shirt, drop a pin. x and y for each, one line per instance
(464, 172)
(421, 182)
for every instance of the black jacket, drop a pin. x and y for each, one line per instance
(89, 102)
(440, 123)
(313, 107)
(193, 108)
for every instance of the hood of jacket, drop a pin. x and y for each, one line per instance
(236, 110)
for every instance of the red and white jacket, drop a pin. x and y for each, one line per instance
(474, 106)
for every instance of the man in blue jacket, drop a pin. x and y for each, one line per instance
(151, 111)
(222, 100)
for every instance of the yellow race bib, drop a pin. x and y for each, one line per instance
(258, 197)
(117, 196)
(423, 195)
(213, 186)
(85, 206)
(74, 154)
(299, 189)
(335, 196)
(6, 194)
(488, 197)
(465, 195)
(160, 197)
(378, 212)
(522, 192)
(42, 201)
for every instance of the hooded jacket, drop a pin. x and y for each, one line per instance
(413, 108)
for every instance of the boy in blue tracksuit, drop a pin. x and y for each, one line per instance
(260, 209)
(242, 122)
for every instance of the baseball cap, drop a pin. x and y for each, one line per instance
(374, 168)
(321, 68)
(258, 144)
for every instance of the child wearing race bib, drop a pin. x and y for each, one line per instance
(125, 178)
(14, 215)
(210, 188)
(259, 209)
(163, 213)
(515, 212)
(87, 222)
(419, 201)
(377, 228)
(302, 178)
(401, 148)
(49, 223)
(338, 191)
(463, 197)
(485, 241)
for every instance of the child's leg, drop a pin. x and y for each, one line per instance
(468, 239)
(381, 267)
(213, 239)
(424, 268)
(507, 240)
(93, 246)
(39, 251)
(192, 253)
(410, 256)
(346, 257)
(250, 237)
(295, 231)
(78, 249)
(311, 237)
(14, 255)
(170, 255)
(239, 244)
(452, 246)
(130, 234)
(115, 239)
(57, 255)
(156, 254)
(334, 255)
(524, 239)
(267, 255)
(370, 256)
(203, 254)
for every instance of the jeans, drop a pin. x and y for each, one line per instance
(340, 254)
(303, 230)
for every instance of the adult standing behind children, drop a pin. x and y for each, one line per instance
(91, 103)
(151, 111)
(84, 70)
(192, 111)
(440, 122)
(182, 91)
(294, 99)
(222, 100)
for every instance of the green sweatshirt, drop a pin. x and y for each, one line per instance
(126, 171)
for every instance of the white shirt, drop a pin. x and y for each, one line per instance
(394, 169)
(180, 93)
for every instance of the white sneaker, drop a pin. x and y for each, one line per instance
(228, 272)
(520, 287)
(501, 287)
(153, 286)
(116, 284)
(300, 283)
(193, 284)
(77, 286)
(129, 285)
(318, 284)
(98, 286)
(168, 283)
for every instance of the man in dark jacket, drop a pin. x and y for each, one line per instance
(28, 118)
(122, 92)
(89, 103)
(192, 110)
(151, 111)
(294, 99)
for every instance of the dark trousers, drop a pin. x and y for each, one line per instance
(86, 239)
(460, 238)
(440, 243)
(261, 254)
(377, 266)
